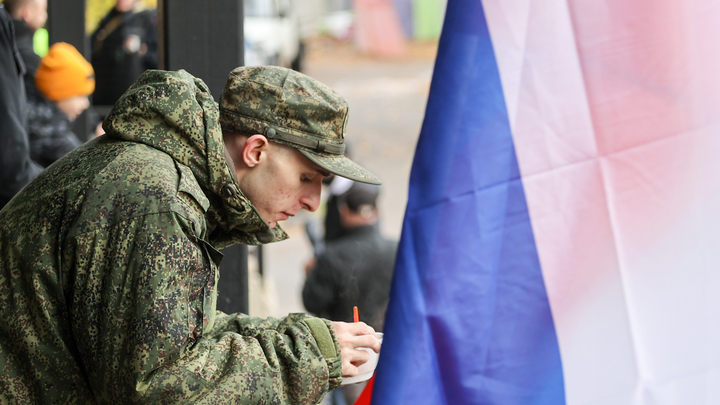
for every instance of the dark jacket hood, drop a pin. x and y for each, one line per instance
(175, 113)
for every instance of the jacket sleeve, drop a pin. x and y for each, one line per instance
(144, 320)
(16, 168)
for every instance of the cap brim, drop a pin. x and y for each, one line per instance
(341, 166)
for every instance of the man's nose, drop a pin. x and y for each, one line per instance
(311, 200)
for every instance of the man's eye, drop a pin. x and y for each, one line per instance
(305, 178)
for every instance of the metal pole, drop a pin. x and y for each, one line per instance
(204, 38)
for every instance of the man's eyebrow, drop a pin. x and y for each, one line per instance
(324, 173)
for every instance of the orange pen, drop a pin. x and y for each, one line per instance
(356, 317)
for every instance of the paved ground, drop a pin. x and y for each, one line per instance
(387, 100)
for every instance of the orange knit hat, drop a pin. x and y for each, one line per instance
(64, 73)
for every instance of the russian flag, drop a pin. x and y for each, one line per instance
(561, 238)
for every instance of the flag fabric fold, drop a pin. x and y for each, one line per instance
(468, 275)
(558, 242)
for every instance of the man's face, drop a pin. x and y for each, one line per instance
(285, 183)
(36, 15)
(124, 5)
(74, 106)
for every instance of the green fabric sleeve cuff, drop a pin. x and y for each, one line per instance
(324, 334)
(323, 337)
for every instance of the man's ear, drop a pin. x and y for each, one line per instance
(255, 150)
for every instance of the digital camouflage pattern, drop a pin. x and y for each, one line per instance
(108, 272)
(291, 108)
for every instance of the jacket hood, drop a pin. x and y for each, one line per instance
(175, 113)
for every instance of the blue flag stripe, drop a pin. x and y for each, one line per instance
(469, 320)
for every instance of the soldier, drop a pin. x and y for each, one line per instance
(109, 260)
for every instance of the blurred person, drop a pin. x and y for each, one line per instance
(16, 167)
(124, 45)
(45, 122)
(48, 127)
(63, 82)
(28, 17)
(319, 234)
(356, 268)
(353, 270)
(331, 227)
(334, 227)
(336, 187)
(111, 255)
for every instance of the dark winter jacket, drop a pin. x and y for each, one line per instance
(48, 127)
(50, 132)
(24, 39)
(117, 67)
(353, 270)
(16, 167)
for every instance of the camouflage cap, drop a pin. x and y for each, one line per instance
(293, 109)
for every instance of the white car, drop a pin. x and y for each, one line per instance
(272, 34)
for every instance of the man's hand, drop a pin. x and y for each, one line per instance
(351, 336)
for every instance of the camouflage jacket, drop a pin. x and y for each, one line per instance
(108, 272)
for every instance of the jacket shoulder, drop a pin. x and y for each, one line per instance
(141, 181)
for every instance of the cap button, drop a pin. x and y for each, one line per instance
(265, 236)
(229, 191)
(271, 133)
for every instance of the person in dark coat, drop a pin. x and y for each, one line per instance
(48, 127)
(28, 16)
(16, 167)
(63, 82)
(124, 45)
(356, 268)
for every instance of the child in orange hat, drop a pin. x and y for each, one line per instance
(63, 81)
